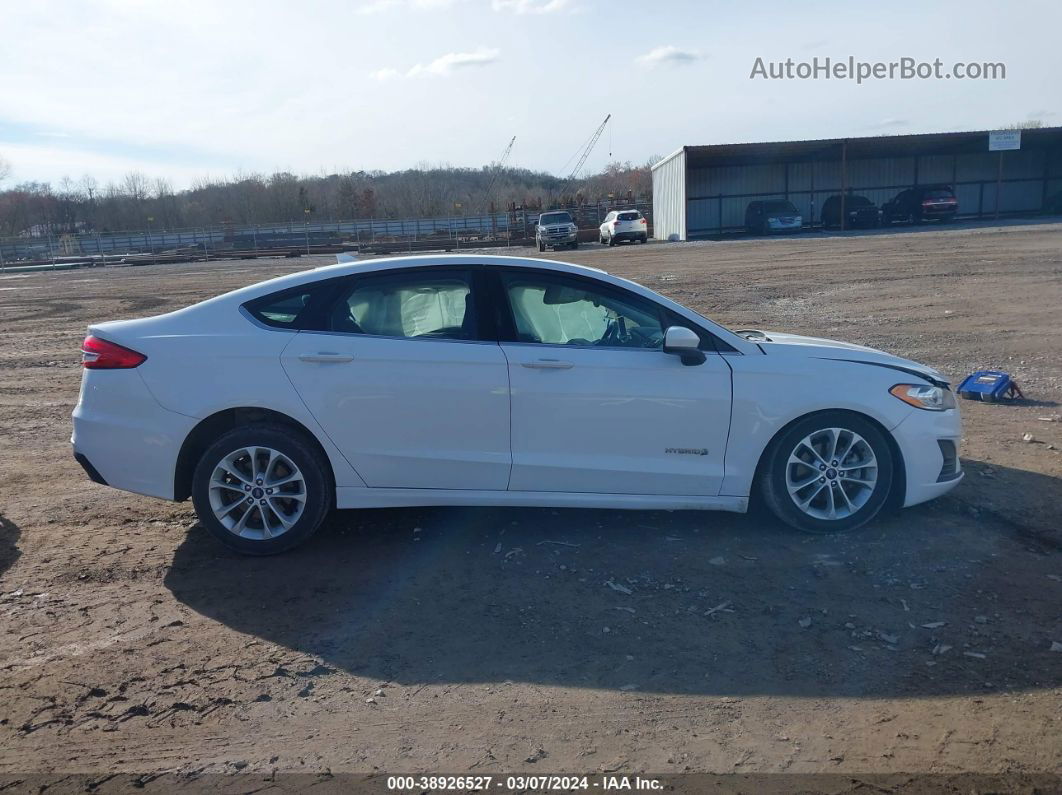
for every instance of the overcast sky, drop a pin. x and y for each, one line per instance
(192, 88)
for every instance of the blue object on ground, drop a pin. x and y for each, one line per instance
(989, 386)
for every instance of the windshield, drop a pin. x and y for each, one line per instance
(631, 216)
(858, 201)
(785, 208)
(938, 194)
(555, 218)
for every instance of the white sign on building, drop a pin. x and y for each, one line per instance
(1004, 140)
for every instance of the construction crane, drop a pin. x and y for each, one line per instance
(589, 147)
(497, 170)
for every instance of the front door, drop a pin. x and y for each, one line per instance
(402, 384)
(597, 406)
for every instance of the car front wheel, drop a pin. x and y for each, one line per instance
(829, 472)
(262, 489)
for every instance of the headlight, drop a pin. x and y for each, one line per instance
(922, 396)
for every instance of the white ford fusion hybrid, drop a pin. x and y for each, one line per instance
(481, 380)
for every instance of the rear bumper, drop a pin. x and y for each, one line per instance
(90, 470)
(632, 235)
(929, 444)
(123, 438)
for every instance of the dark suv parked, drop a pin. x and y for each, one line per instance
(921, 203)
(860, 212)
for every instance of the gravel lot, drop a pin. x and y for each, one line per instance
(480, 640)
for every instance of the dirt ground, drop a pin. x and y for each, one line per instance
(487, 640)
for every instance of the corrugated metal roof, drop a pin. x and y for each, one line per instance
(867, 147)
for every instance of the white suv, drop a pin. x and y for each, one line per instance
(620, 225)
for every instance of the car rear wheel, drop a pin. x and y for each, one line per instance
(262, 489)
(611, 240)
(830, 472)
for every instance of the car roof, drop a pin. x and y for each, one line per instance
(382, 264)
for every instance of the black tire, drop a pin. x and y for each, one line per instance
(772, 477)
(541, 246)
(611, 241)
(316, 476)
(575, 244)
(643, 239)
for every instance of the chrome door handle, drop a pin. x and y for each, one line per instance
(323, 358)
(548, 364)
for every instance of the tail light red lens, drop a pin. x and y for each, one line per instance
(97, 354)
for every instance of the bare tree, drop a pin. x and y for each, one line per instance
(5, 169)
(425, 191)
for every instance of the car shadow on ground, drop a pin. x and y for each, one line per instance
(9, 551)
(934, 600)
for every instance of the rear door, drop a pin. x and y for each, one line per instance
(597, 406)
(400, 377)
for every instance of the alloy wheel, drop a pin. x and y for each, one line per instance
(257, 493)
(831, 473)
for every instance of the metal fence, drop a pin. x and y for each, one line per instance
(233, 240)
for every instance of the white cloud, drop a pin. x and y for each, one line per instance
(46, 163)
(379, 6)
(668, 54)
(530, 6)
(443, 65)
(888, 122)
(387, 73)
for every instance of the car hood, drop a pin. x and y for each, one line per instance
(780, 343)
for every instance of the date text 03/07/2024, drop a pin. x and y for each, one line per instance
(524, 783)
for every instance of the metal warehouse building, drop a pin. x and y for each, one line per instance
(700, 191)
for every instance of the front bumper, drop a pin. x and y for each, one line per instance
(565, 240)
(929, 444)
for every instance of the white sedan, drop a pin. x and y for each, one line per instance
(477, 380)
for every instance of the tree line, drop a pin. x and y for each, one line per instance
(139, 202)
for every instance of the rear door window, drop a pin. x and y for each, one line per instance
(412, 305)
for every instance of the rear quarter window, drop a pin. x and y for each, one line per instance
(281, 310)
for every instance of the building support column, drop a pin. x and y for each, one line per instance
(844, 183)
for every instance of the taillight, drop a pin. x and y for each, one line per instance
(97, 354)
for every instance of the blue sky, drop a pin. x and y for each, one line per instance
(196, 89)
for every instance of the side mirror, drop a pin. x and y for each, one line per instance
(685, 344)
